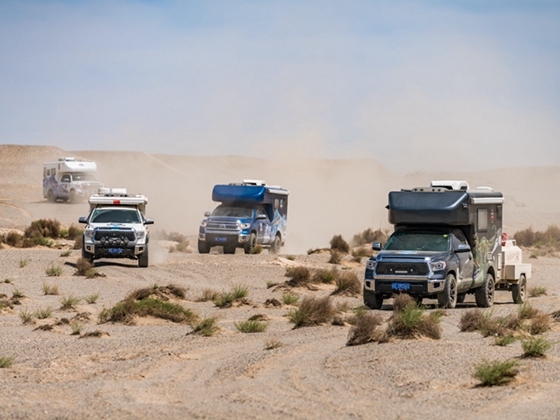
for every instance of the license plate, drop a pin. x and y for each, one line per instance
(221, 239)
(400, 286)
(115, 251)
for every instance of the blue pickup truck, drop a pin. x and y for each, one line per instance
(249, 213)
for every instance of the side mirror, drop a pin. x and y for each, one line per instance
(377, 246)
(261, 217)
(82, 220)
(149, 221)
(463, 248)
(206, 214)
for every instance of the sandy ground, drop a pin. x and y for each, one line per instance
(156, 369)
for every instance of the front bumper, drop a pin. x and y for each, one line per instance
(418, 286)
(217, 238)
(99, 251)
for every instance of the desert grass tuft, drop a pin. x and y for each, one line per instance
(126, 310)
(91, 299)
(50, 289)
(43, 313)
(312, 311)
(6, 361)
(83, 266)
(535, 347)
(77, 327)
(505, 340)
(159, 292)
(495, 373)
(272, 343)
(54, 270)
(17, 294)
(526, 311)
(299, 276)
(23, 262)
(208, 295)
(537, 291)
(365, 330)
(226, 299)
(289, 299)
(336, 257)
(338, 243)
(324, 275)
(290, 257)
(66, 253)
(412, 322)
(68, 302)
(207, 327)
(347, 284)
(251, 326)
(26, 316)
(539, 323)
(401, 301)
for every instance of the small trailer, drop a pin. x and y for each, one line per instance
(69, 180)
(251, 213)
(448, 242)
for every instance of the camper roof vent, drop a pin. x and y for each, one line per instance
(484, 189)
(451, 185)
(257, 182)
(67, 159)
(112, 192)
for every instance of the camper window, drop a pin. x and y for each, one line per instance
(482, 220)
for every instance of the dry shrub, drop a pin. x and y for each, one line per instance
(95, 334)
(14, 239)
(363, 251)
(496, 372)
(82, 267)
(401, 301)
(365, 330)
(412, 322)
(74, 232)
(312, 311)
(208, 295)
(369, 236)
(336, 257)
(299, 276)
(78, 242)
(347, 284)
(324, 275)
(339, 244)
(43, 228)
(526, 311)
(539, 323)
(555, 315)
(126, 310)
(159, 292)
(548, 238)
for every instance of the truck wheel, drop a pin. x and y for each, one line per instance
(72, 197)
(50, 196)
(484, 295)
(87, 256)
(372, 300)
(143, 259)
(229, 249)
(276, 245)
(461, 297)
(203, 247)
(448, 297)
(251, 243)
(519, 290)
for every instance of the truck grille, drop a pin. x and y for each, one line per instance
(402, 268)
(112, 235)
(222, 226)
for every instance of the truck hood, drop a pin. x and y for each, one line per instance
(412, 255)
(228, 219)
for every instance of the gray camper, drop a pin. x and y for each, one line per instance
(448, 242)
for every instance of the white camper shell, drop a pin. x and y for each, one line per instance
(69, 179)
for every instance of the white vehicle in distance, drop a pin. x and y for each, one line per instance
(116, 226)
(69, 180)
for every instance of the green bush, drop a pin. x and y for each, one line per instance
(496, 372)
(535, 347)
(251, 326)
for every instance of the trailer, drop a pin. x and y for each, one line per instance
(69, 180)
(448, 242)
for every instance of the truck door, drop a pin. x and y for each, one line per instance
(466, 263)
(263, 235)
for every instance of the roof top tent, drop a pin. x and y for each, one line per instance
(255, 192)
(477, 212)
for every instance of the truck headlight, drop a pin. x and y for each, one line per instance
(140, 234)
(203, 223)
(438, 265)
(245, 225)
(88, 233)
(370, 264)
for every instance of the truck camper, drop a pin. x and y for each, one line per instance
(116, 226)
(69, 180)
(448, 242)
(250, 213)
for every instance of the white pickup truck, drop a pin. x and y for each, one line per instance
(116, 226)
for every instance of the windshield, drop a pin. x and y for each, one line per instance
(418, 241)
(83, 177)
(115, 216)
(233, 211)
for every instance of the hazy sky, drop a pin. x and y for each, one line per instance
(417, 85)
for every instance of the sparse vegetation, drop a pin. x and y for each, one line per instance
(8, 281)
(6, 362)
(68, 302)
(208, 295)
(66, 253)
(159, 292)
(207, 327)
(78, 242)
(535, 347)
(402, 300)
(312, 311)
(251, 326)
(272, 343)
(236, 294)
(82, 266)
(23, 262)
(324, 275)
(50, 289)
(126, 310)
(77, 327)
(257, 249)
(91, 299)
(43, 313)
(369, 236)
(412, 322)
(539, 323)
(290, 257)
(365, 329)
(347, 283)
(299, 276)
(336, 257)
(537, 291)
(26, 316)
(54, 270)
(505, 340)
(17, 294)
(496, 372)
(290, 299)
(339, 244)
(548, 240)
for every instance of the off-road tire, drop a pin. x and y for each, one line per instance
(251, 243)
(50, 196)
(203, 247)
(72, 197)
(448, 297)
(143, 259)
(276, 245)
(484, 295)
(229, 249)
(519, 290)
(461, 297)
(372, 300)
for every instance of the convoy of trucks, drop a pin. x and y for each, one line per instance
(448, 242)
(69, 180)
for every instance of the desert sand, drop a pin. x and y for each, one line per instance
(156, 369)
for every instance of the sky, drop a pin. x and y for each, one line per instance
(416, 85)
